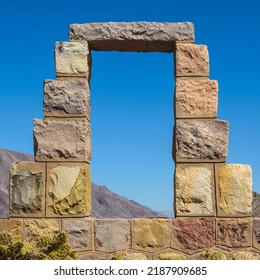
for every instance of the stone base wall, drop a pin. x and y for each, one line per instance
(150, 239)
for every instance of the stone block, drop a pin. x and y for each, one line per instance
(151, 234)
(135, 256)
(234, 233)
(12, 226)
(132, 36)
(192, 233)
(194, 190)
(112, 235)
(171, 255)
(72, 59)
(191, 60)
(79, 232)
(196, 99)
(234, 190)
(41, 226)
(62, 140)
(256, 233)
(244, 255)
(200, 141)
(93, 256)
(66, 98)
(68, 190)
(27, 189)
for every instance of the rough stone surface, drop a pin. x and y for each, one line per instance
(41, 226)
(112, 235)
(151, 234)
(244, 255)
(135, 256)
(191, 60)
(27, 189)
(234, 233)
(171, 255)
(194, 190)
(13, 226)
(196, 99)
(234, 190)
(93, 256)
(80, 233)
(200, 141)
(66, 98)
(72, 59)
(68, 189)
(62, 140)
(132, 36)
(256, 233)
(192, 233)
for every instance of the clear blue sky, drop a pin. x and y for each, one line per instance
(132, 93)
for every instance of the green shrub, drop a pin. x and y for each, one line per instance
(212, 255)
(119, 256)
(37, 247)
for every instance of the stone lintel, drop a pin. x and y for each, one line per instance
(132, 36)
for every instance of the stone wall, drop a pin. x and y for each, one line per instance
(212, 199)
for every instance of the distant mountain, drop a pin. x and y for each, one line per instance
(105, 204)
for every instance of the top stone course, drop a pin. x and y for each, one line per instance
(132, 36)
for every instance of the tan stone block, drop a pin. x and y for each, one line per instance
(93, 256)
(112, 235)
(135, 256)
(151, 234)
(200, 141)
(72, 59)
(13, 226)
(27, 189)
(68, 190)
(79, 232)
(171, 255)
(41, 226)
(234, 190)
(244, 255)
(194, 190)
(62, 140)
(196, 99)
(191, 60)
(234, 232)
(66, 98)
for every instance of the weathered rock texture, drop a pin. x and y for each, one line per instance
(151, 235)
(62, 140)
(244, 255)
(256, 233)
(234, 233)
(132, 36)
(68, 189)
(66, 98)
(171, 255)
(27, 189)
(196, 99)
(234, 190)
(13, 226)
(41, 226)
(201, 141)
(80, 233)
(72, 59)
(191, 60)
(192, 233)
(194, 190)
(112, 235)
